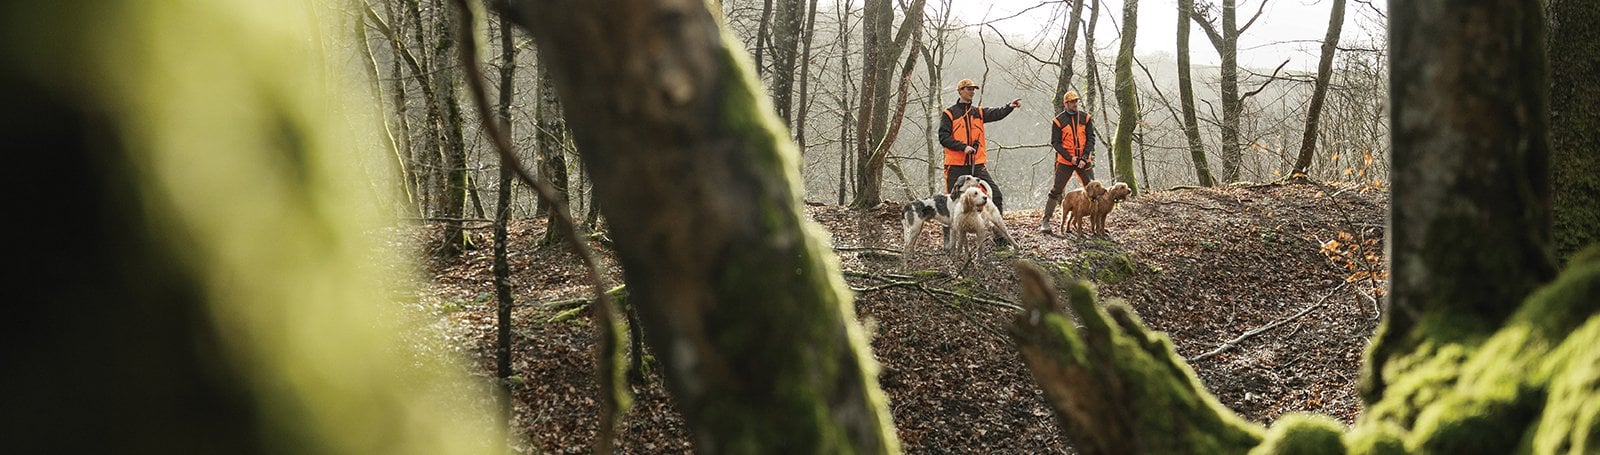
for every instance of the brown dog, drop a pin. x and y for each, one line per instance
(1102, 207)
(1078, 203)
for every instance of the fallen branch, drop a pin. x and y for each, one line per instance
(867, 248)
(1256, 331)
(911, 282)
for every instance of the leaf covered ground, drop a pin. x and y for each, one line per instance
(1202, 265)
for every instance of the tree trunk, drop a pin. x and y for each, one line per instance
(452, 203)
(762, 37)
(744, 304)
(845, 119)
(1127, 98)
(881, 49)
(1226, 41)
(552, 139)
(1575, 123)
(1191, 125)
(1330, 44)
(785, 44)
(370, 64)
(1093, 88)
(502, 216)
(805, 82)
(1471, 261)
(1069, 52)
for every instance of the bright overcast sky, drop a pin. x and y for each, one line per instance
(1276, 36)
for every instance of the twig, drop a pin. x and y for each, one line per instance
(923, 286)
(1253, 332)
(867, 248)
(605, 320)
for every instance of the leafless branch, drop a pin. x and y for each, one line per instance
(1256, 331)
(1264, 84)
(605, 320)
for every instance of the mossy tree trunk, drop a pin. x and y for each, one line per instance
(1127, 98)
(1469, 232)
(1575, 123)
(742, 299)
(200, 273)
(1330, 44)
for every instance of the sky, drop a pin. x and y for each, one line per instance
(1265, 45)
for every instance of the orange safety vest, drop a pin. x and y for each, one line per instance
(1073, 137)
(969, 130)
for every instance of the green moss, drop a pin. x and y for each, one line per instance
(1303, 434)
(1376, 440)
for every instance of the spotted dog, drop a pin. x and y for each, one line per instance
(941, 207)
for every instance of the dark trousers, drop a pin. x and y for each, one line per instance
(1064, 174)
(951, 173)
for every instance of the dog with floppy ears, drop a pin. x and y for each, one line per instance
(1102, 207)
(965, 208)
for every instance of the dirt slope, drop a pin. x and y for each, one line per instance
(1202, 265)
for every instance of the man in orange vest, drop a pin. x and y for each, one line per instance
(1072, 137)
(961, 133)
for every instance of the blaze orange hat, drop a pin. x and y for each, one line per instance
(1072, 95)
(965, 83)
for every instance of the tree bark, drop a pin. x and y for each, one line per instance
(552, 139)
(1452, 137)
(743, 303)
(1330, 44)
(452, 203)
(1127, 98)
(502, 216)
(1069, 52)
(1225, 39)
(881, 49)
(805, 83)
(785, 43)
(1191, 125)
(1575, 123)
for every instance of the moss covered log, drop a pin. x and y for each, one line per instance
(199, 266)
(742, 299)
(1116, 387)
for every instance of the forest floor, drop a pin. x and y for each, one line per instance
(1202, 265)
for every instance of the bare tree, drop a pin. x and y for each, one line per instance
(786, 37)
(1191, 125)
(882, 46)
(1069, 51)
(1127, 98)
(1330, 44)
(1225, 38)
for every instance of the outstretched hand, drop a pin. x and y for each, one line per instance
(1016, 103)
